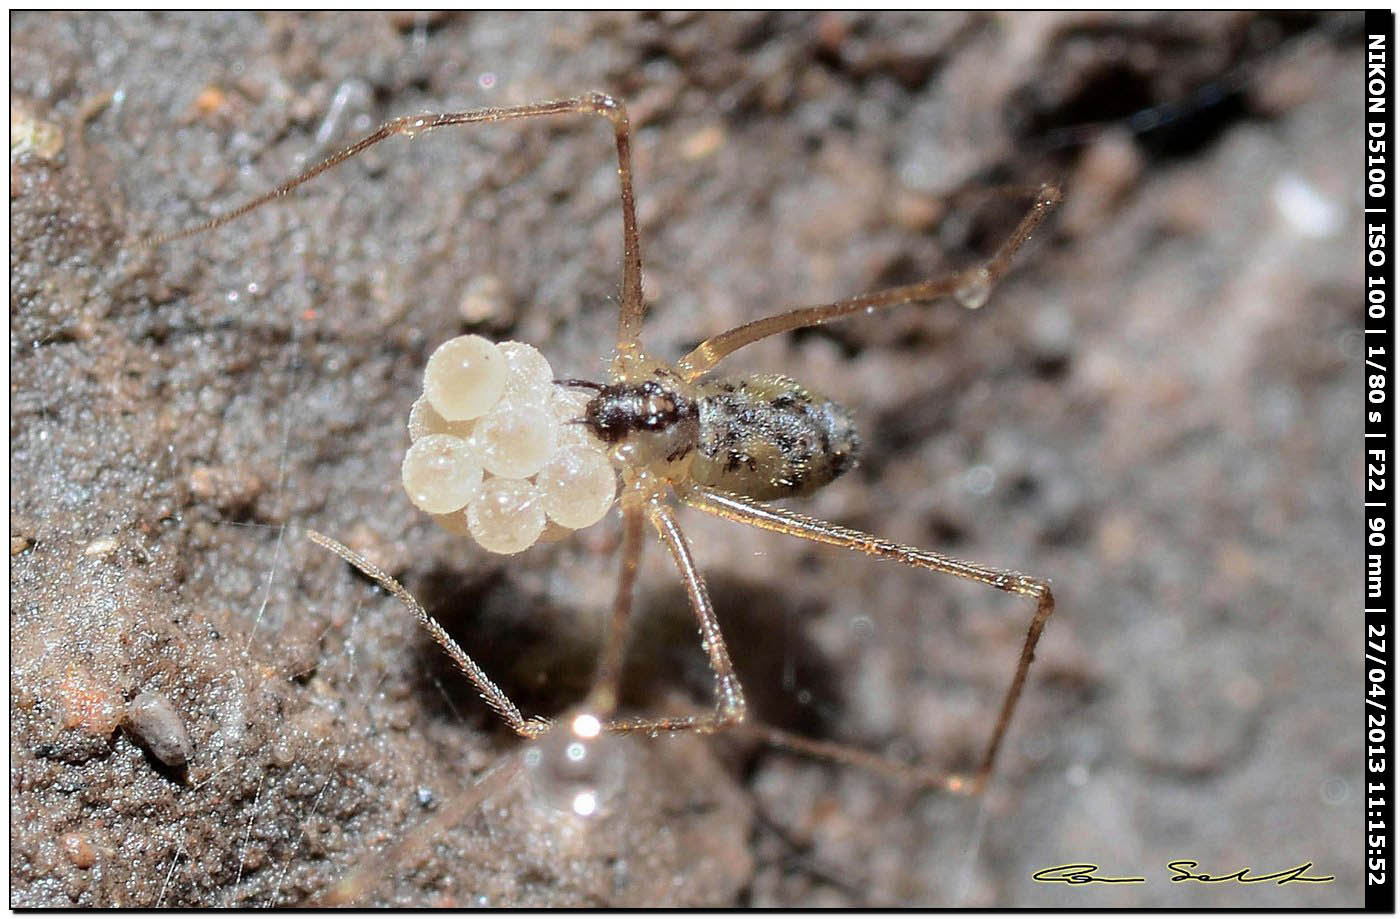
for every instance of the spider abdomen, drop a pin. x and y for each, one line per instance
(768, 436)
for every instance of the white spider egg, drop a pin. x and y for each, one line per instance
(577, 486)
(441, 473)
(515, 439)
(529, 377)
(567, 406)
(423, 419)
(506, 517)
(465, 376)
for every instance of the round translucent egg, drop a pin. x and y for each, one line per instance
(465, 377)
(567, 406)
(515, 439)
(577, 486)
(529, 378)
(423, 419)
(506, 516)
(441, 473)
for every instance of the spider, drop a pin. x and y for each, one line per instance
(680, 434)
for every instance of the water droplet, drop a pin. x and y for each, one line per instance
(574, 767)
(587, 726)
(975, 289)
(585, 803)
(980, 479)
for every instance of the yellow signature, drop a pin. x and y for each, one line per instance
(1182, 870)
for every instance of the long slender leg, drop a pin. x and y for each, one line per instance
(490, 692)
(781, 520)
(594, 103)
(602, 700)
(729, 705)
(972, 286)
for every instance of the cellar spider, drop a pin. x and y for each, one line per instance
(677, 434)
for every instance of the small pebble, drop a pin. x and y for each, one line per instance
(484, 300)
(103, 545)
(79, 850)
(87, 703)
(158, 727)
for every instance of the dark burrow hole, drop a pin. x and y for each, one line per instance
(525, 645)
(1119, 90)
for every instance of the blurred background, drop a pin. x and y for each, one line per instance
(1159, 411)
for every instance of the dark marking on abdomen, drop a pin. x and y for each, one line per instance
(769, 436)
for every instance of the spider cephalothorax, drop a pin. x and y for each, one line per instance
(657, 420)
(762, 436)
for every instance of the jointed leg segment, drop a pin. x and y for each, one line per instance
(602, 701)
(595, 103)
(603, 698)
(974, 283)
(781, 520)
(490, 692)
(729, 704)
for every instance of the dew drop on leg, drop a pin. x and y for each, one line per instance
(576, 767)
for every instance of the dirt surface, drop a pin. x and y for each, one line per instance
(1159, 410)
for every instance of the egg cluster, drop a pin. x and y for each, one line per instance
(496, 451)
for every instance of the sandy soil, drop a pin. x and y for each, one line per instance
(1159, 411)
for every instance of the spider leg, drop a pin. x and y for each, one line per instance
(490, 692)
(594, 103)
(730, 707)
(781, 520)
(602, 699)
(971, 285)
